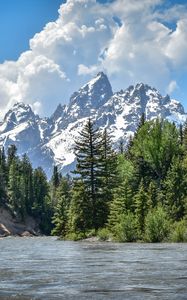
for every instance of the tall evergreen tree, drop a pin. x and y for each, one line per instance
(3, 164)
(55, 181)
(109, 175)
(181, 135)
(152, 195)
(141, 204)
(3, 196)
(60, 218)
(55, 177)
(27, 183)
(88, 153)
(185, 137)
(121, 204)
(175, 190)
(15, 194)
(11, 155)
(81, 210)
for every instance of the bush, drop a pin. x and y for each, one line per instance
(157, 226)
(75, 236)
(103, 234)
(90, 233)
(179, 233)
(126, 230)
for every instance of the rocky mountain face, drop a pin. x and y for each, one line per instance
(50, 141)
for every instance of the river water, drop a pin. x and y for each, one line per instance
(45, 268)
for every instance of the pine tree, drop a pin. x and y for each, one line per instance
(181, 135)
(60, 218)
(12, 150)
(109, 175)
(3, 164)
(185, 137)
(41, 190)
(80, 211)
(88, 153)
(121, 204)
(175, 190)
(141, 207)
(27, 183)
(152, 195)
(55, 181)
(55, 177)
(121, 146)
(3, 196)
(128, 153)
(142, 120)
(15, 194)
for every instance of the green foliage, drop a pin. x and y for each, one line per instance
(123, 201)
(108, 178)
(61, 207)
(88, 155)
(141, 207)
(3, 195)
(175, 189)
(126, 229)
(56, 177)
(104, 234)
(138, 194)
(80, 211)
(179, 232)
(157, 225)
(152, 195)
(97, 168)
(156, 144)
(125, 169)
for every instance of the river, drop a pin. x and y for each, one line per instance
(45, 268)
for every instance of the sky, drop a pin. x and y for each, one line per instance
(50, 48)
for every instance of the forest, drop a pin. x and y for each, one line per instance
(137, 192)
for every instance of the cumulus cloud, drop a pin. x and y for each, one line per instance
(130, 40)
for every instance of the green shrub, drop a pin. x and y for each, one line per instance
(90, 233)
(179, 232)
(126, 230)
(75, 236)
(157, 226)
(103, 234)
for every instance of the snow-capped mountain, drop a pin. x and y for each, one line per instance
(51, 140)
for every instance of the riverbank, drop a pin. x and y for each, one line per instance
(10, 226)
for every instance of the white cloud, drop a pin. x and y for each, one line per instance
(91, 70)
(36, 107)
(86, 39)
(177, 46)
(172, 87)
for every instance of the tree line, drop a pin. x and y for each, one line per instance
(24, 191)
(135, 193)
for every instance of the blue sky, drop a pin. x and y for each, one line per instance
(42, 65)
(20, 20)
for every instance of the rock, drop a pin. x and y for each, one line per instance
(11, 226)
(26, 234)
(4, 231)
(91, 239)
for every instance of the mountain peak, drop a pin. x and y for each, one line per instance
(51, 140)
(91, 96)
(101, 82)
(19, 113)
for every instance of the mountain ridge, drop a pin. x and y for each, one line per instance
(49, 141)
